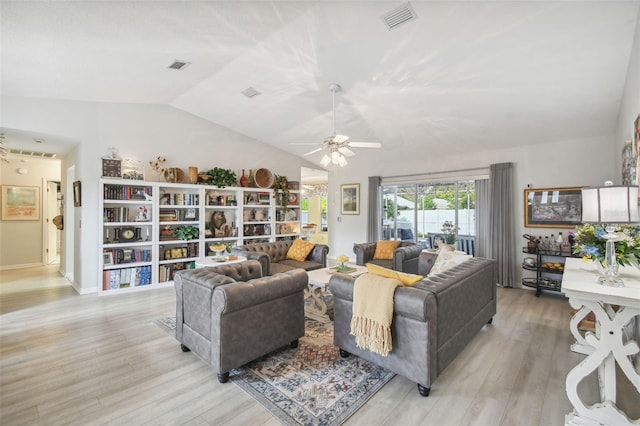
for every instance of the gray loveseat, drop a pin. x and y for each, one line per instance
(405, 257)
(433, 321)
(230, 315)
(273, 256)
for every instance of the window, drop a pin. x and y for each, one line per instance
(417, 211)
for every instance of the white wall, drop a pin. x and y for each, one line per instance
(21, 244)
(630, 108)
(140, 132)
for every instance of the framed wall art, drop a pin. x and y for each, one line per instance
(350, 198)
(552, 207)
(20, 202)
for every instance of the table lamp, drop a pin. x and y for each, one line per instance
(610, 205)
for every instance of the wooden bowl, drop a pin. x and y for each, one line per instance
(263, 178)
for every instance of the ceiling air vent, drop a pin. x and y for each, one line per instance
(32, 153)
(399, 16)
(179, 65)
(250, 92)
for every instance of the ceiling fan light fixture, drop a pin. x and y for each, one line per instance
(342, 161)
(325, 161)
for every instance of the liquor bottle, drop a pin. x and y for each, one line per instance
(554, 247)
(565, 247)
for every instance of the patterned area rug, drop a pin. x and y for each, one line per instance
(310, 385)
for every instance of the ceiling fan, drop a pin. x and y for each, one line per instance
(337, 146)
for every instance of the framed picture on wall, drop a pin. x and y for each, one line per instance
(552, 207)
(20, 202)
(350, 198)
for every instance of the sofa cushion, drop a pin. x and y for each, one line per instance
(384, 263)
(299, 250)
(403, 277)
(448, 259)
(385, 249)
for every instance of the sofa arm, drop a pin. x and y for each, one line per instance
(319, 254)
(405, 258)
(409, 302)
(364, 252)
(195, 295)
(237, 296)
(262, 257)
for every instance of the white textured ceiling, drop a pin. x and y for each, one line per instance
(463, 77)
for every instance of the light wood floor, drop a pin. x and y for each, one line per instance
(70, 359)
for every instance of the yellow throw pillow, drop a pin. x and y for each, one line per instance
(299, 250)
(403, 277)
(385, 249)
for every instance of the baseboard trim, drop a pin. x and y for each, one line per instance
(23, 266)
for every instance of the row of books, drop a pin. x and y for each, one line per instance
(179, 252)
(125, 192)
(117, 256)
(116, 214)
(126, 277)
(166, 272)
(181, 199)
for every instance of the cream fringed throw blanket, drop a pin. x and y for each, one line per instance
(373, 312)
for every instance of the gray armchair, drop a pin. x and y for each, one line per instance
(230, 315)
(405, 257)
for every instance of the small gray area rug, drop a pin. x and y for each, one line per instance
(309, 385)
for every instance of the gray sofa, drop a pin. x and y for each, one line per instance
(433, 321)
(405, 257)
(230, 315)
(273, 256)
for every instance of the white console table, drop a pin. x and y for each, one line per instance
(608, 346)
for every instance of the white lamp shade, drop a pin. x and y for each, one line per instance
(610, 204)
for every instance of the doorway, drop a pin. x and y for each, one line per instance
(314, 205)
(53, 223)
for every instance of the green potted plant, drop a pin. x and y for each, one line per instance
(281, 191)
(223, 177)
(187, 232)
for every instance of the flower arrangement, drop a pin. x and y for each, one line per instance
(591, 244)
(449, 232)
(342, 260)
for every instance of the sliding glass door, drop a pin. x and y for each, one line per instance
(417, 211)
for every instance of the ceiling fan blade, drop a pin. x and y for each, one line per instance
(346, 151)
(365, 144)
(303, 143)
(340, 138)
(314, 151)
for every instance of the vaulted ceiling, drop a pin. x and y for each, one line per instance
(461, 77)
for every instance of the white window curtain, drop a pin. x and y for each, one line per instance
(374, 221)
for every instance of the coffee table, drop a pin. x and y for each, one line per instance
(321, 306)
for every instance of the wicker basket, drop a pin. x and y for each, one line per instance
(263, 178)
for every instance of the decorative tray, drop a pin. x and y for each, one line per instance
(345, 270)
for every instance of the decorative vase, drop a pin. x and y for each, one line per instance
(193, 174)
(448, 247)
(252, 182)
(244, 182)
